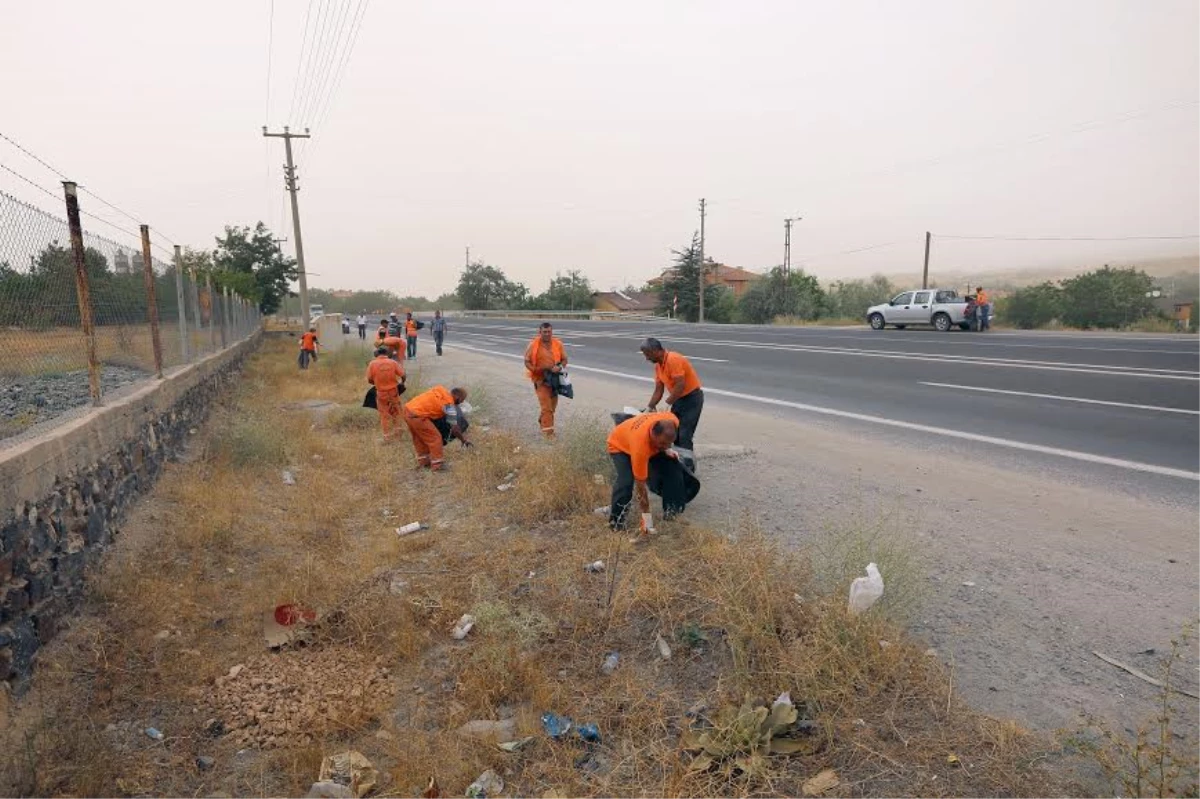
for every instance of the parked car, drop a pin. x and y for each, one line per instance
(941, 308)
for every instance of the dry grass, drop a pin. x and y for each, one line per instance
(884, 716)
(63, 349)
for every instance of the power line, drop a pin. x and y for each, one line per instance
(315, 54)
(1066, 238)
(270, 51)
(339, 74)
(321, 70)
(300, 60)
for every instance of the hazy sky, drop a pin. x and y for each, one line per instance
(551, 135)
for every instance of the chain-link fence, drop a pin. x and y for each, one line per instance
(86, 321)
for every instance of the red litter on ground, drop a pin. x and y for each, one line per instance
(290, 614)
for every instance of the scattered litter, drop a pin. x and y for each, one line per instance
(695, 710)
(230, 571)
(799, 600)
(397, 585)
(599, 479)
(821, 784)
(866, 591)
(556, 726)
(317, 458)
(504, 730)
(784, 699)
(464, 626)
(595, 567)
(1141, 675)
(485, 428)
(289, 479)
(487, 784)
(412, 527)
(884, 644)
(432, 790)
(602, 511)
(516, 450)
(664, 649)
(508, 478)
(387, 513)
(156, 734)
(952, 760)
(1149, 651)
(350, 769)
(289, 614)
(204, 762)
(859, 723)
(504, 487)
(968, 584)
(235, 670)
(162, 635)
(515, 746)
(530, 575)
(930, 652)
(611, 661)
(330, 790)
(285, 625)
(589, 733)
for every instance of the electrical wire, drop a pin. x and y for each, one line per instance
(1064, 238)
(339, 74)
(340, 31)
(300, 60)
(315, 53)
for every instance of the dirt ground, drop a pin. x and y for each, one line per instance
(1026, 576)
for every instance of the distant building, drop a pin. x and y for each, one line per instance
(1178, 312)
(625, 302)
(733, 277)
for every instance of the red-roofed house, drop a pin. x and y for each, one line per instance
(734, 277)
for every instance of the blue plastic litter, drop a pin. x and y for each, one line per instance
(589, 733)
(556, 726)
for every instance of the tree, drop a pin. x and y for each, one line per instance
(248, 262)
(796, 294)
(569, 292)
(1032, 306)
(850, 299)
(1107, 298)
(485, 288)
(682, 281)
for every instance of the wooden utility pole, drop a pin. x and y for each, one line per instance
(925, 273)
(82, 291)
(289, 180)
(151, 300)
(468, 263)
(702, 215)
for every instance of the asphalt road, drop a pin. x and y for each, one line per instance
(1125, 408)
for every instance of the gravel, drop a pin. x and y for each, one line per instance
(29, 400)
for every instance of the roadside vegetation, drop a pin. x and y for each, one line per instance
(710, 628)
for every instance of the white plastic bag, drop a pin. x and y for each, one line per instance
(865, 591)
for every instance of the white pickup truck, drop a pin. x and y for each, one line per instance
(942, 308)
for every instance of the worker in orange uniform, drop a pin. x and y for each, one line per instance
(420, 413)
(984, 306)
(674, 375)
(545, 354)
(394, 344)
(308, 347)
(641, 453)
(411, 328)
(387, 375)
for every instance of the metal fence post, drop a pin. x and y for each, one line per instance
(151, 300)
(82, 290)
(194, 297)
(180, 304)
(222, 300)
(212, 315)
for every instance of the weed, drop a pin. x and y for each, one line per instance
(252, 441)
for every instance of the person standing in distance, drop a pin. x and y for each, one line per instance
(545, 354)
(674, 375)
(410, 332)
(438, 329)
(362, 326)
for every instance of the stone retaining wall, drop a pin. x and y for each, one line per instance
(62, 497)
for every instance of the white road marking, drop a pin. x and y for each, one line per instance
(1086, 457)
(1064, 399)
(693, 357)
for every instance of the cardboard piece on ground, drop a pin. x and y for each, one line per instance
(278, 635)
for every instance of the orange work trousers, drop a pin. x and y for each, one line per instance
(427, 441)
(388, 404)
(548, 403)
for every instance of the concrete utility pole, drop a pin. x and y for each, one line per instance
(702, 215)
(289, 180)
(787, 243)
(468, 262)
(925, 273)
(181, 302)
(287, 291)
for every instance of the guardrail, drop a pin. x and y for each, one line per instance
(609, 316)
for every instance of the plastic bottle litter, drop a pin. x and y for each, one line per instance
(489, 783)
(413, 527)
(289, 479)
(464, 626)
(156, 734)
(589, 733)
(664, 649)
(611, 661)
(556, 726)
(865, 591)
(595, 567)
(504, 487)
(602, 510)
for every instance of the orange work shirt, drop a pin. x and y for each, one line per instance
(309, 342)
(410, 327)
(673, 367)
(393, 342)
(632, 437)
(430, 405)
(385, 374)
(981, 298)
(538, 358)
